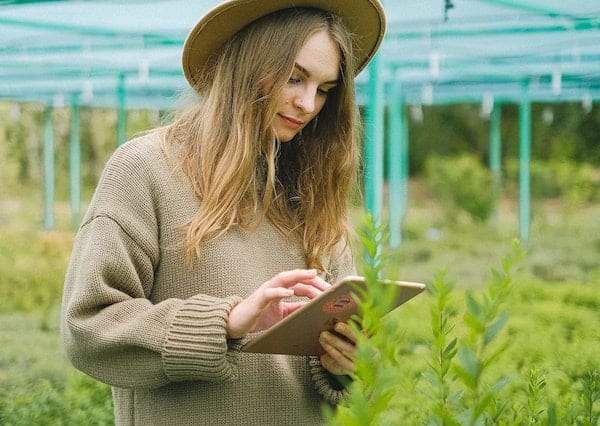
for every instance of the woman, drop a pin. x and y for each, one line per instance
(200, 232)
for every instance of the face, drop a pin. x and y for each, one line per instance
(316, 72)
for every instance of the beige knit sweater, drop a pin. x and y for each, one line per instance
(136, 317)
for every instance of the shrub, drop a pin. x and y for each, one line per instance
(577, 183)
(462, 184)
(33, 264)
(81, 401)
(466, 374)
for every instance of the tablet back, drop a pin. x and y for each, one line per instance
(298, 333)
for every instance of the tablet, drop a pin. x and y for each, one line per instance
(298, 333)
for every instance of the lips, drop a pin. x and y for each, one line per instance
(291, 122)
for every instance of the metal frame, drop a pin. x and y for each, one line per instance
(127, 55)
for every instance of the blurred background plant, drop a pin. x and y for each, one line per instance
(553, 325)
(477, 370)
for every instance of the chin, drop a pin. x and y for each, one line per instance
(284, 137)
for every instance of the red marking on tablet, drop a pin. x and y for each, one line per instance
(342, 303)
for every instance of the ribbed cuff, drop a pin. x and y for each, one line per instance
(196, 345)
(321, 380)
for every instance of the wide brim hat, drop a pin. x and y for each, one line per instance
(365, 19)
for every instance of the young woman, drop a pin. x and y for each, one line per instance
(226, 221)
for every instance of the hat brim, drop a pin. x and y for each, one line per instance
(365, 19)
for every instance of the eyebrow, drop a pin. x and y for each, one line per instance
(307, 74)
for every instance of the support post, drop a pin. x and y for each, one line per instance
(397, 165)
(49, 172)
(374, 141)
(524, 160)
(75, 162)
(121, 111)
(495, 159)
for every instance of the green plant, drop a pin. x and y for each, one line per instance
(440, 385)
(575, 182)
(459, 389)
(81, 400)
(33, 265)
(589, 396)
(377, 361)
(485, 319)
(462, 184)
(537, 383)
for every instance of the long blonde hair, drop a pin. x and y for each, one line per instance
(240, 173)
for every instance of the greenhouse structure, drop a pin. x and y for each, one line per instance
(126, 55)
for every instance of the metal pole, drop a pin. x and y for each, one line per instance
(496, 155)
(396, 166)
(75, 162)
(121, 111)
(524, 160)
(404, 163)
(374, 141)
(49, 172)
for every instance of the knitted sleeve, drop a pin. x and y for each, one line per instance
(110, 328)
(330, 387)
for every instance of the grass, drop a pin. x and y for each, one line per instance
(553, 324)
(563, 246)
(32, 348)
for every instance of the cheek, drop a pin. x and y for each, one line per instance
(283, 97)
(319, 104)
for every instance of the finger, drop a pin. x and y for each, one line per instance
(261, 298)
(335, 362)
(328, 363)
(289, 307)
(345, 330)
(320, 283)
(306, 290)
(295, 276)
(276, 293)
(346, 348)
(290, 278)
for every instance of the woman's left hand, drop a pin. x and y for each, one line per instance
(339, 351)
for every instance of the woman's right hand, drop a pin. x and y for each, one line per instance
(265, 306)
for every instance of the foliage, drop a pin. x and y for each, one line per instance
(474, 401)
(81, 400)
(578, 183)
(22, 124)
(33, 264)
(472, 374)
(21, 143)
(438, 381)
(553, 324)
(448, 130)
(372, 387)
(462, 184)
(442, 130)
(436, 130)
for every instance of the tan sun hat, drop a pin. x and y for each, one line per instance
(365, 19)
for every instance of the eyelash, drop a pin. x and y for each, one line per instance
(294, 80)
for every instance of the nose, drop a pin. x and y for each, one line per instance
(305, 100)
